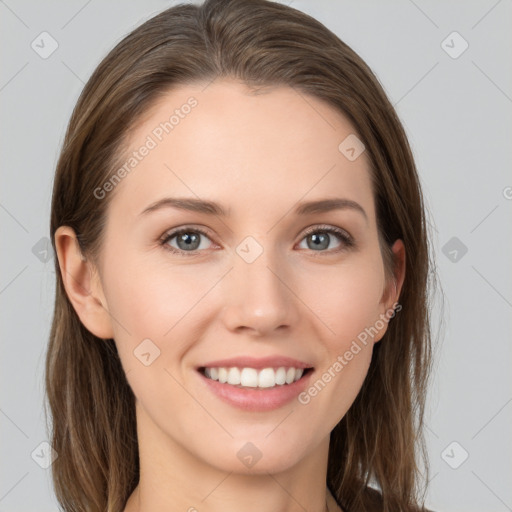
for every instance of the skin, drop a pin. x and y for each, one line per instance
(258, 156)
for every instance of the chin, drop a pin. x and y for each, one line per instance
(254, 455)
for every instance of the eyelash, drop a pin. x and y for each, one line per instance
(346, 240)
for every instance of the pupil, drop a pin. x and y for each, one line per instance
(189, 240)
(320, 241)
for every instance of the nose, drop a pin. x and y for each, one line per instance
(259, 297)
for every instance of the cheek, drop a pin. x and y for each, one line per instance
(347, 299)
(158, 302)
(349, 306)
(151, 298)
(151, 308)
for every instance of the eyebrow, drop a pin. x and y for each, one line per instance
(212, 208)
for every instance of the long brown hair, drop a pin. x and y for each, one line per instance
(260, 43)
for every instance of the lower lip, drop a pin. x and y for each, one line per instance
(257, 399)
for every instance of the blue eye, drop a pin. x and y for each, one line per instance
(188, 239)
(318, 238)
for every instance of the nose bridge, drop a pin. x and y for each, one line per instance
(258, 298)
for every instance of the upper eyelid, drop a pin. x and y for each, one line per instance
(326, 227)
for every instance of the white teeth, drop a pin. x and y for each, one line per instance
(223, 375)
(281, 376)
(249, 378)
(252, 378)
(267, 378)
(234, 376)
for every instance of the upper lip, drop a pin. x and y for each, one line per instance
(257, 362)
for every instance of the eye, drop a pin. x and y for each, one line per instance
(318, 238)
(188, 239)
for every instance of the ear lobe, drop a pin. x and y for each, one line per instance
(399, 256)
(393, 288)
(82, 284)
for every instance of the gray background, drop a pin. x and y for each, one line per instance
(457, 112)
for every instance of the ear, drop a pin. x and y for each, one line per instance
(82, 284)
(393, 288)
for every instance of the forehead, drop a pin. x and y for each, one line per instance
(224, 142)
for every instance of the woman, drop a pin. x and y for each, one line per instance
(241, 306)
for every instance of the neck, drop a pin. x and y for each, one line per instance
(173, 479)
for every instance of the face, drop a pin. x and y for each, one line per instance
(261, 279)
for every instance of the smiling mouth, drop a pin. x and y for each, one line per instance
(252, 378)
